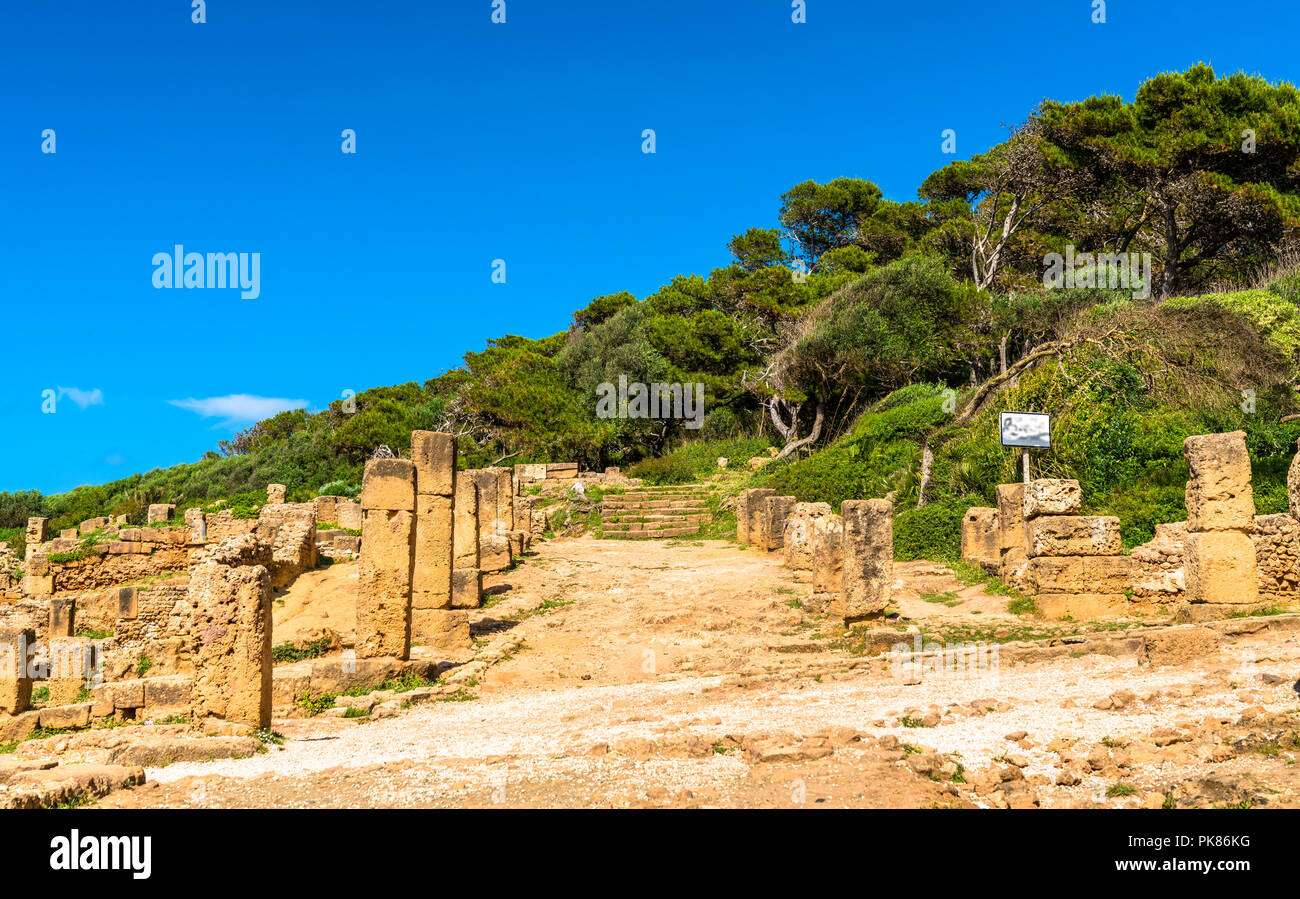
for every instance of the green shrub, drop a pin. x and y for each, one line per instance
(932, 531)
(671, 469)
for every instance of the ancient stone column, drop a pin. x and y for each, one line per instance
(868, 542)
(70, 666)
(1013, 543)
(749, 514)
(276, 494)
(434, 620)
(466, 588)
(980, 539)
(828, 557)
(465, 525)
(1219, 561)
(197, 522)
(38, 532)
(231, 653)
(15, 675)
(800, 527)
(775, 511)
(387, 559)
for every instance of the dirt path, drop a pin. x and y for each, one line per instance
(641, 681)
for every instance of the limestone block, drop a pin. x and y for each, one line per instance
(466, 588)
(1178, 646)
(1074, 535)
(66, 717)
(15, 675)
(231, 651)
(494, 553)
(505, 496)
(38, 531)
(774, 513)
(488, 521)
(1082, 574)
(1220, 567)
(465, 523)
(868, 542)
(388, 484)
(749, 513)
(1082, 606)
(1052, 496)
(800, 527)
(442, 628)
(161, 512)
(348, 514)
(980, 540)
(1013, 547)
(384, 584)
(431, 577)
(276, 494)
(62, 617)
(1219, 494)
(434, 455)
(326, 508)
(828, 557)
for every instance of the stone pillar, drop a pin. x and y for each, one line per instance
(1013, 543)
(505, 496)
(466, 588)
(749, 507)
(15, 676)
(387, 559)
(774, 513)
(465, 525)
(161, 512)
(488, 523)
(231, 628)
(38, 532)
(276, 494)
(868, 558)
(980, 540)
(63, 613)
(828, 557)
(1219, 556)
(433, 619)
(800, 529)
(348, 514)
(70, 666)
(197, 522)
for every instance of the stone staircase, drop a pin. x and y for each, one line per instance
(655, 513)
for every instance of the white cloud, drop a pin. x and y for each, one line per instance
(83, 398)
(239, 407)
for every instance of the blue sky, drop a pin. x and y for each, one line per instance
(475, 142)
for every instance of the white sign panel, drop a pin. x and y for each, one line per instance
(1028, 429)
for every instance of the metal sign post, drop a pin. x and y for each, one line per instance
(1027, 430)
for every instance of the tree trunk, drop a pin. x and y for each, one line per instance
(927, 464)
(816, 432)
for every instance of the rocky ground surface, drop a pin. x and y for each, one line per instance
(690, 674)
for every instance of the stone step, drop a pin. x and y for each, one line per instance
(652, 535)
(652, 525)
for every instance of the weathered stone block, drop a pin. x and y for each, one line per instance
(749, 514)
(1082, 606)
(981, 543)
(801, 526)
(1081, 574)
(231, 651)
(434, 456)
(66, 717)
(442, 628)
(1219, 494)
(489, 522)
(349, 514)
(828, 557)
(388, 484)
(384, 584)
(161, 512)
(774, 512)
(38, 531)
(868, 542)
(63, 617)
(15, 675)
(1074, 535)
(276, 494)
(466, 588)
(465, 524)
(431, 577)
(1220, 567)
(1177, 646)
(1052, 496)
(1013, 539)
(494, 553)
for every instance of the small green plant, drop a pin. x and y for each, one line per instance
(269, 737)
(142, 667)
(1120, 789)
(909, 721)
(461, 695)
(947, 598)
(41, 695)
(356, 712)
(6, 748)
(287, 652)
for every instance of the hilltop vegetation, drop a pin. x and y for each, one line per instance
(864, 336)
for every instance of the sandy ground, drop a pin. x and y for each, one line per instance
(689, 673)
